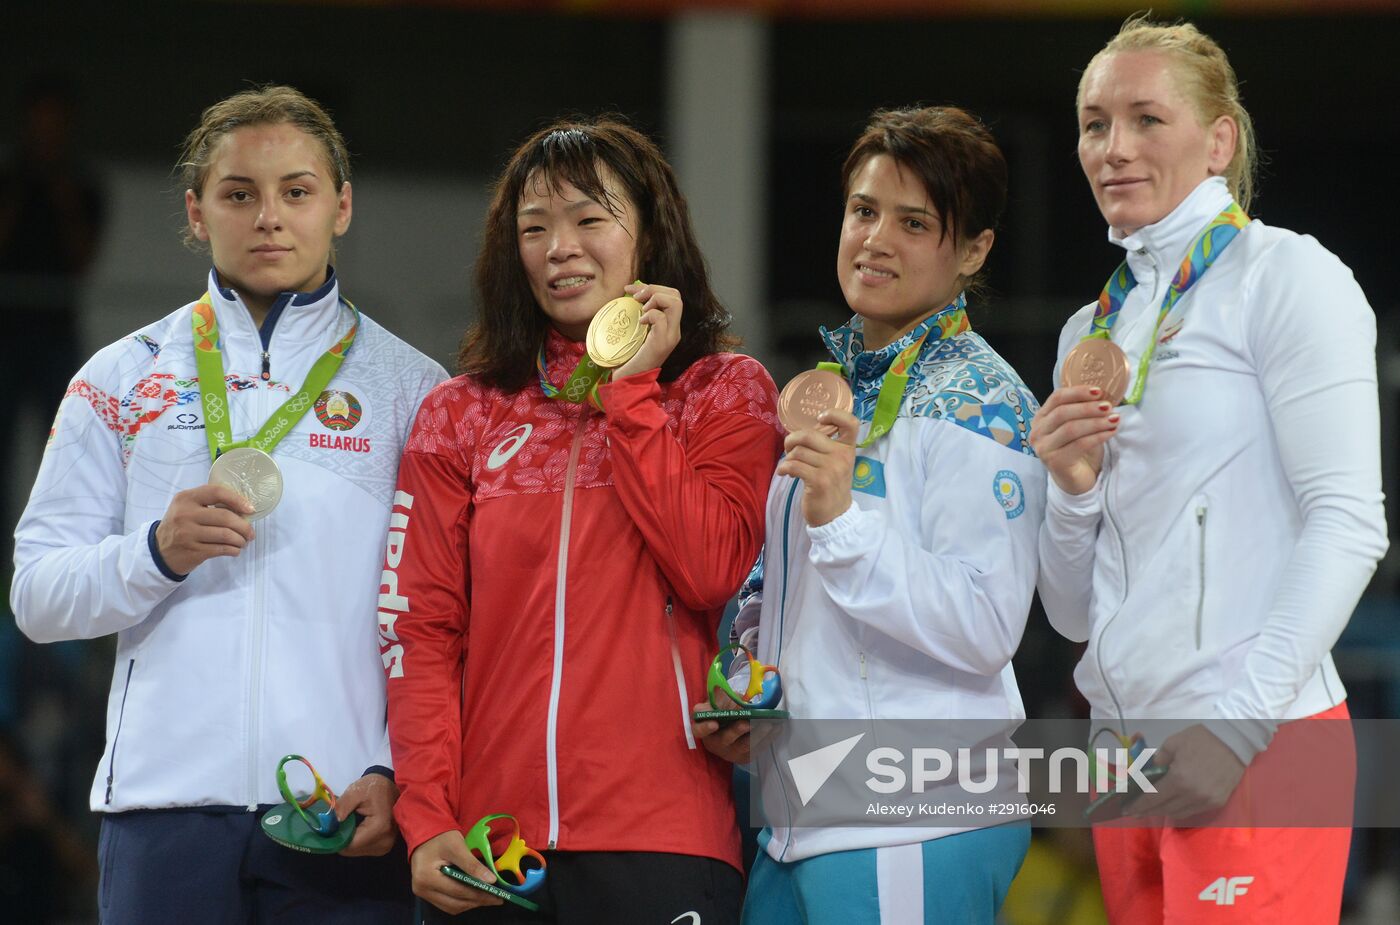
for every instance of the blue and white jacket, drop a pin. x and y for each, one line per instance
(911, 603)
(276, 651)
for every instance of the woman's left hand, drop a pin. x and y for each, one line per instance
(1202, 772)
(824, 464)
(373, 797)
(661, 311)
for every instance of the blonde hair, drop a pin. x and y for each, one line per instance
(1206, 79)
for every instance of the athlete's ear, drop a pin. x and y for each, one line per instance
(974, 252)
(343, 210)
(195, 214)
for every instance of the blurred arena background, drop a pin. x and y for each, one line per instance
(756, 102)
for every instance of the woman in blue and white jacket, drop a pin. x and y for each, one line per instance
(900, 570)
(236, 643)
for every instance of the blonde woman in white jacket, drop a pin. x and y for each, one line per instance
(1209, 536)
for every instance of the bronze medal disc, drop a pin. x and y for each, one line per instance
(616, 333)
(808, 395)
(1101, 363)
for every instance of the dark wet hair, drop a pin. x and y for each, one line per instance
(501, 347)
(952, 153)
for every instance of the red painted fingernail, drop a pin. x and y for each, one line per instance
(1105, 406)
(1096, 392)
(1113, 419)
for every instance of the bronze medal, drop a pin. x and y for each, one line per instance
(1100, 363)
(616, 333)
(808, 395)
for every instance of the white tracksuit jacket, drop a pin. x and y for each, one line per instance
(911, 603)
(1238, 515)
(248, 658)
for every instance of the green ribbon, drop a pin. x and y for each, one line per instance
(1205, 249)
(209, 364)
(582, 383)
(948, 323)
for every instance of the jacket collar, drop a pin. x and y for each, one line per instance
(866, 368)
(299, 316)
(1164, 244)
(561, 355)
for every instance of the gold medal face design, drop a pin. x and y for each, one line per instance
(1100, 363)
(616, 333)
(808, 395)
(253, 474)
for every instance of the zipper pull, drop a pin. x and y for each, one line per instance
(1200, 515)
(267, 366)
(668, 605)
(862, 666)
(109, 787)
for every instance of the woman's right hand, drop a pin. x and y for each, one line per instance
(430, 883)
(729, 741)
(1069, 433)
(201, 523)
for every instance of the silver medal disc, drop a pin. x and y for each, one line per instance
(253, 474)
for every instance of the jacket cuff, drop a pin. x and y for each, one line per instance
(422, 816)
(832, 535)
(628, 392)
(1060, 502)
(1245, 737)
(380, 770)
(159, 560)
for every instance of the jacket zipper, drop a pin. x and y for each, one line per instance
(782, 601)
(1123, 551)
(680, 674)
(256, 630)
(865, 683)
(121, 715)
(777, 660)
(1201, 599)
(557, 675)
(265, 335)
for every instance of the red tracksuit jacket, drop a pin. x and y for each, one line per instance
(554, 580)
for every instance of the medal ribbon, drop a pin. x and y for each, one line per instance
(950, 321)
(1204, 251)
(582, 383)
(209, 365)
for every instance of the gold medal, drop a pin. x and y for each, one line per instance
(808, 395)
(1100, 363)
(616, 333)
(253, 474)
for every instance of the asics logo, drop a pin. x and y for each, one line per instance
(509, 446)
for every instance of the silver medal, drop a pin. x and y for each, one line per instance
(253, 474)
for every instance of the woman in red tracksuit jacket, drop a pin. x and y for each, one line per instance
(558, 560)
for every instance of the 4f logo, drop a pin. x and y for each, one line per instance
(1224, 890)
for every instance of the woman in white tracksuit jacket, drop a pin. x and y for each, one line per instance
(1210, 538)
(237, 642)
(897, 575)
